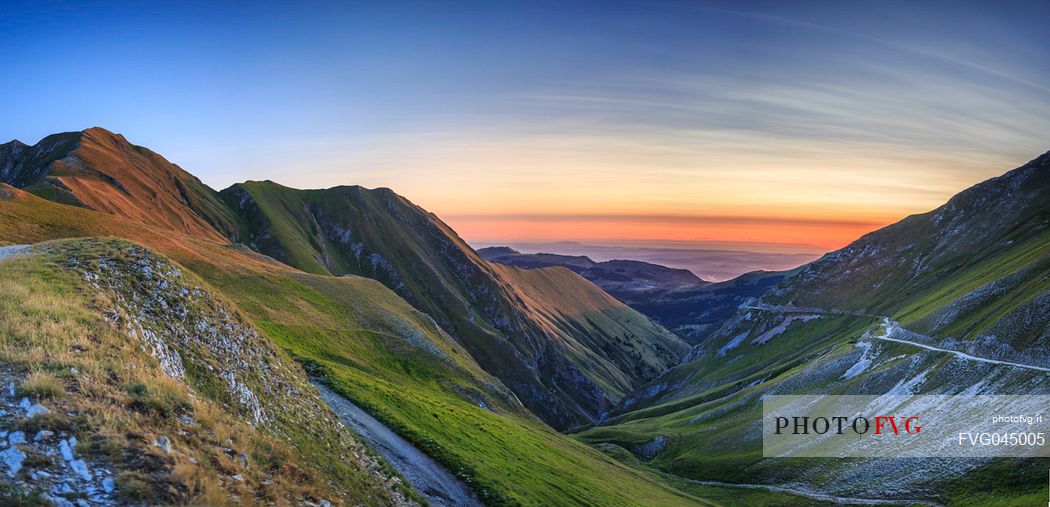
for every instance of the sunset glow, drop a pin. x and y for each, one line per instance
(805, 124)
(808, 235)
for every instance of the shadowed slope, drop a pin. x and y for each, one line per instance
(592, 319)
(564, 377)
(674, 298)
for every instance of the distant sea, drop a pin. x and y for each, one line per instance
(712, 261)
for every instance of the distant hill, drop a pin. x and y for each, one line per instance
(510, 256)
(710, 261)
(676, 298)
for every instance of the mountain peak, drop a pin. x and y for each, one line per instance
(98, 169)
(98, 130)
(102, 134)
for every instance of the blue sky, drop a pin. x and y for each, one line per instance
(486, 110)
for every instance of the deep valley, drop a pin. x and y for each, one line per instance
(165, 343)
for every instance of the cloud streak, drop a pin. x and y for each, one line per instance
(910, 48)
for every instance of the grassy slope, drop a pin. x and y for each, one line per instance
(561, 302)
(52, 323)
(284, 228)
(711, 421)
(378, 234)
(1030, 258)
(925, 263)
(715, 494)
(342, 327)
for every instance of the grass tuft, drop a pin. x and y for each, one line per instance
(42, 385)
(134, 487)
(164, 401)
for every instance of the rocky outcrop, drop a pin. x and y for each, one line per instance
(200, 339)
(34, 458)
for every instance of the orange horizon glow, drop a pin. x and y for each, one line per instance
(811, 236)
(812, 195)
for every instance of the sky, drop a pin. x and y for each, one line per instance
(800, 124)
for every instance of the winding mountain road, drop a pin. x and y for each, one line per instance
(889, 327)
(428, 477)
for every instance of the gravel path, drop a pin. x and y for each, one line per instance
(12, 250)
(427, 476)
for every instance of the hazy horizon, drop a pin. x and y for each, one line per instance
(712, 261)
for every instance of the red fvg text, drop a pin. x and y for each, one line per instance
(881, 424)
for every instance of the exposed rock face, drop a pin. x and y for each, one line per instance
(200, 339)
(172, 320)
(650, 449)
(22, 165)
(45, 460)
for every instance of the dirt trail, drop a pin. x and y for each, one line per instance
(427, 476)
(12, 250)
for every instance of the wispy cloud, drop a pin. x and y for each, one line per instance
(910, 48)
